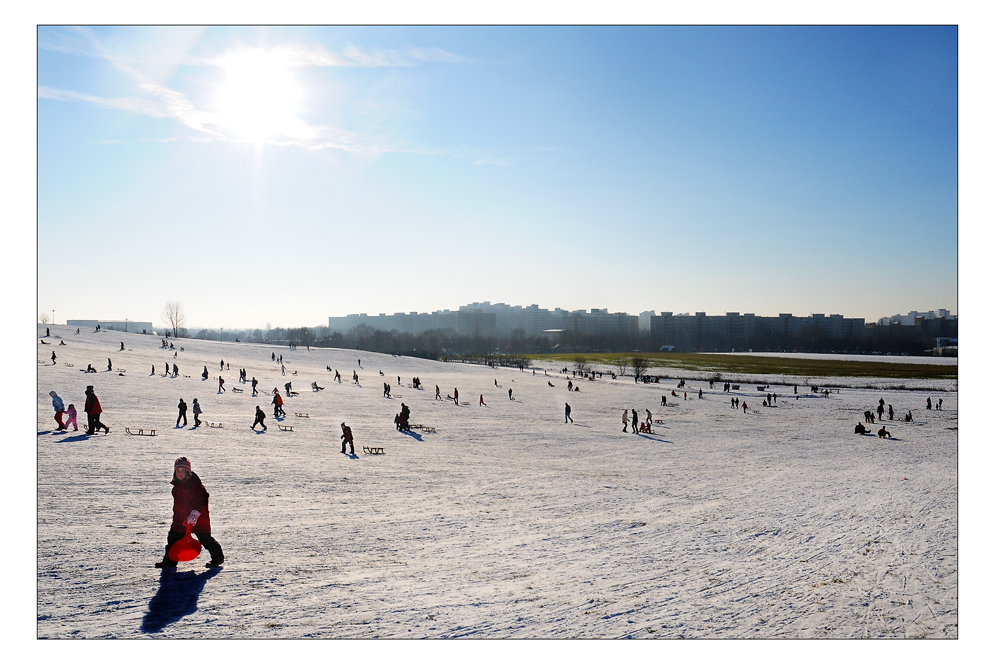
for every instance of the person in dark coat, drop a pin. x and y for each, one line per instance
(860, 428)
(260, 416)
(190, 506)
(182, 407)
(254, 384)
(196, 413)
(347, 438)
(884, 433)
(403, 422)
(92, 409)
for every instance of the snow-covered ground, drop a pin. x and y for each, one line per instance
(504, 523)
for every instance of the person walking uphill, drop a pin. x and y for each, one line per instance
(196, 413)
(566, 414)
(347, 438)
(92, 409)
(190, 507)
(260, 416)
(59, 409)
(182, 407)
(221, 384)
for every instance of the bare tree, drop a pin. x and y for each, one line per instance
(581, 365)
(43, 317)
(306, 336)
(622, 363)
(639, 366)
(172, 314)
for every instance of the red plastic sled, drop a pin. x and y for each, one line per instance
(186, 549)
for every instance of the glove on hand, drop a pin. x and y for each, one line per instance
(192, 519)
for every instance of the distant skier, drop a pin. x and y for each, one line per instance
(347, 438)
(182, 407)
(566, 414)
(196, 413)
(260, 416)
(190, 507)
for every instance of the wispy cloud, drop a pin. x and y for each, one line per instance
(303, 55)
(157, 100)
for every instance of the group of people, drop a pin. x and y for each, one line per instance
(637, 427)
(91, 407)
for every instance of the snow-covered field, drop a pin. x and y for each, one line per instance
(504, 523)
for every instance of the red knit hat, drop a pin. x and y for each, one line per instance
(182, 462)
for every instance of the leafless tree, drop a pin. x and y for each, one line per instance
(622, 363)
(305, 335)
(639, 365)
(581, 365)
(172, 314)
(43, 317)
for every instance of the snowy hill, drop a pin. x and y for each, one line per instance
(505, 522)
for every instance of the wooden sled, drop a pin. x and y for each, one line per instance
(373, 450)
(235, 389)
(140, 432)
(285, 427)
(301, 415)
(67, 364)
(215, 425)
(422, 428)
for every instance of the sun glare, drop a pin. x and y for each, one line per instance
(259, 98)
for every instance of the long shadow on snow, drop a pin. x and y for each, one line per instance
(73, 439)
(177, 597)
(416, 436)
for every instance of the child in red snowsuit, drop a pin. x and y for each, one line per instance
(190, 507)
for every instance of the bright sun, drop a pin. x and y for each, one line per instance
(259, 98)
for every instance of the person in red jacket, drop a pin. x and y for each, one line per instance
(190, 507)
(93, 410)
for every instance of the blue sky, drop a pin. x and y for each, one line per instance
(284, 175)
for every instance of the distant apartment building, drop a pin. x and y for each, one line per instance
(910, 318)
(735, 330)
(495, 320)
(139, 326)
